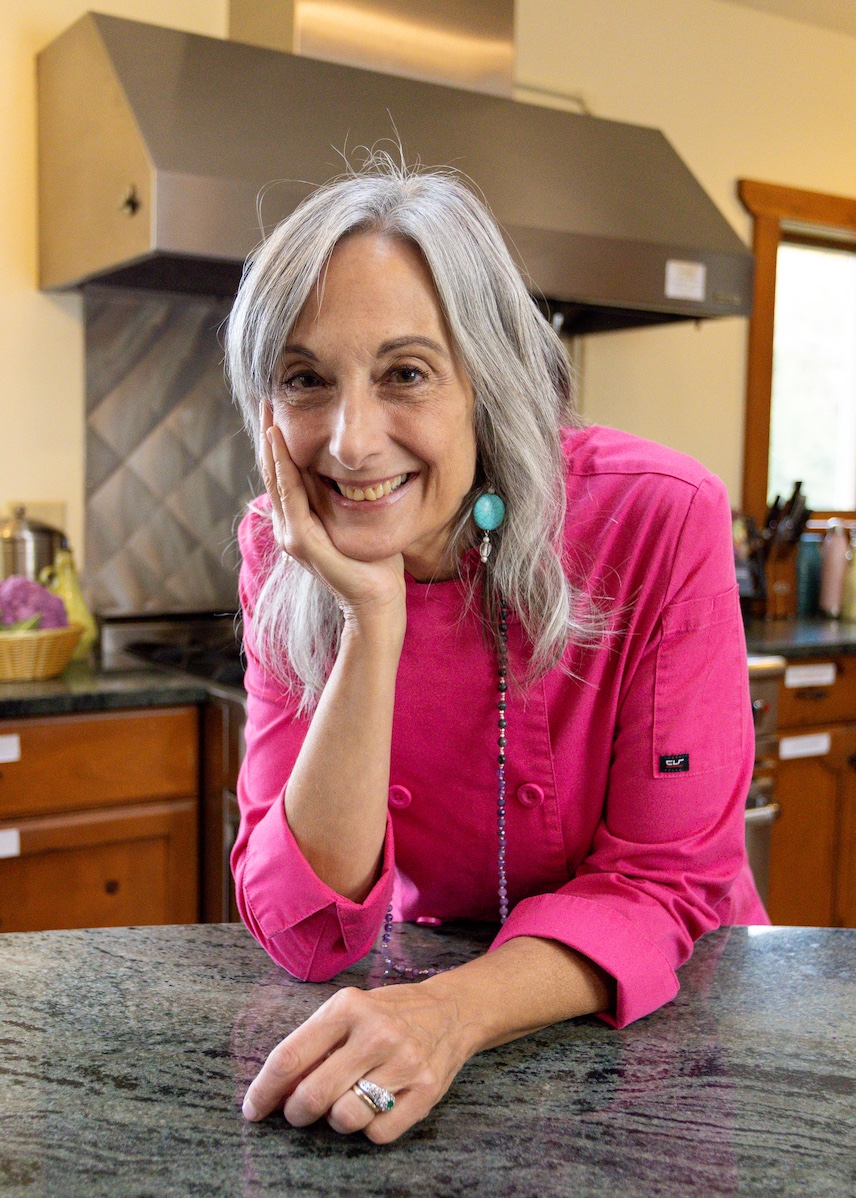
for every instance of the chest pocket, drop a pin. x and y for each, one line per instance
(701, 682)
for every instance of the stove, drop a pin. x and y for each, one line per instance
(205, 644)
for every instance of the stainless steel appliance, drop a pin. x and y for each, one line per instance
(762, 810)
(27, 546)
(156, 147)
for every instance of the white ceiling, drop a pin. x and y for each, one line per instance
(839, 15)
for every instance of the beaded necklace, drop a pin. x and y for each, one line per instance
(411, 972)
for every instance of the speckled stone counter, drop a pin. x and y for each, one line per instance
(126, 1053)
(801, 637)
(81, 688)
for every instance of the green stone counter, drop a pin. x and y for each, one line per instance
(801, 637)
(126, 1053)
(81, 688)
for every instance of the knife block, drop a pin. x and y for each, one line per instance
(780, 576)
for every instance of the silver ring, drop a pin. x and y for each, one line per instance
(379, 1099)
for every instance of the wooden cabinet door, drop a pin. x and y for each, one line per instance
(845, 877)
(818, 703)
(102, 868)
(76, 762)
(811, 858)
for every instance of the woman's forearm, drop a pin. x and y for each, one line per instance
(525, 984)
(336, 797)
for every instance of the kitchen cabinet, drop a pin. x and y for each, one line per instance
(813, 843)
(98, 819)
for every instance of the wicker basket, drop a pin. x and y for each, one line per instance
(34, 656)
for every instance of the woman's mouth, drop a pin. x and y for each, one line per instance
(369, 493)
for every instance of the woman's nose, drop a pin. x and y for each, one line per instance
(358, 431)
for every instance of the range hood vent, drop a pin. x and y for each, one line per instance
(160, 152)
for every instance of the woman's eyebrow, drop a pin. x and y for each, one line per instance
(401, 342)
(300, 350)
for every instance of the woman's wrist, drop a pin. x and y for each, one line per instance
(526, 984)
(381, 625)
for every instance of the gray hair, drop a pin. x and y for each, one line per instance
(522, 384)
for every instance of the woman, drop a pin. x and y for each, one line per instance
(541, 711)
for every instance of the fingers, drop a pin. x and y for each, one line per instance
(289, 1063)
(293, 500)
(350, 1114)
(295, 523)
(266, 461)
(310, 1074)
(409, 1109)
(281, 477)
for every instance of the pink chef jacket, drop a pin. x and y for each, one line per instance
(627, 779)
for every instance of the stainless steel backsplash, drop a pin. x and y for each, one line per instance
(169, 467)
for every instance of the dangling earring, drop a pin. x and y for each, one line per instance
(488, 514)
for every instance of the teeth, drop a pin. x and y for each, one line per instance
(375, 492)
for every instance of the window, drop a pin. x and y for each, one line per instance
(813, 398)
(801, 383)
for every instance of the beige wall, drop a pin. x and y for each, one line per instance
(41, 336)
(739, 93)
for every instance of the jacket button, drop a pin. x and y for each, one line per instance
(399, 796)
(530, 795)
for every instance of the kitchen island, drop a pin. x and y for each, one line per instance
(127, 1052)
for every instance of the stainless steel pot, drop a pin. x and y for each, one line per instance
(27, 546)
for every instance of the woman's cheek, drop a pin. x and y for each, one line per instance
(300, 437)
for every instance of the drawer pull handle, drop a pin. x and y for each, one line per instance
(812, 694)
(761, 817)
(112, 886)
(851, 761)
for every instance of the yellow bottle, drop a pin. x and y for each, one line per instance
(848, 592)
(61, 578)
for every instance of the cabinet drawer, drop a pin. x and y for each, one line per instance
(818, 702)
(84, 761)
(108, 868)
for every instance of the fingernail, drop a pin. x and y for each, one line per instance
(269, 435)
(249, 1111)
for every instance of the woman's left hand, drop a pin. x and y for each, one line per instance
(406, 1038)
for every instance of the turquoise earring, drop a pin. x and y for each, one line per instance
(488, 514)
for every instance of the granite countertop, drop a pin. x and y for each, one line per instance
(82, 688)
(802, 637)
(126, 1053)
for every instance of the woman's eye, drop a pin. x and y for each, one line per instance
(301, 380)
(407, 375)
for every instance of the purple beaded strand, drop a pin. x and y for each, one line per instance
(502, 670)
(409, 971)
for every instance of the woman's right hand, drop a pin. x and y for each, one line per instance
(364, 590)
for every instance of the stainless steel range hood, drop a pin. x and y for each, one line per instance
(155, 145)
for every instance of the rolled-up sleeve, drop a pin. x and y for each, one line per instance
(667, 860)
(306, 927)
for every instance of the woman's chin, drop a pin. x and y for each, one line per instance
(366, 549)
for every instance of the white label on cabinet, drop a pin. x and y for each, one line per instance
(818, 674)
(10, 842)
(685, 280)
(816, 744)
(10, 748)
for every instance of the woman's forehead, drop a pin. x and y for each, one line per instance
(376, 284)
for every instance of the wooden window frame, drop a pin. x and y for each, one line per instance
(780, 214)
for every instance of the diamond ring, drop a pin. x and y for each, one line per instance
(374, 1096)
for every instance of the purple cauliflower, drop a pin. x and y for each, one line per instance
(24, 601)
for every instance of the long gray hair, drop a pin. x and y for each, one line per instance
(522, 384)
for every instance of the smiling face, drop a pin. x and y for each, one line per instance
(374, 407)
